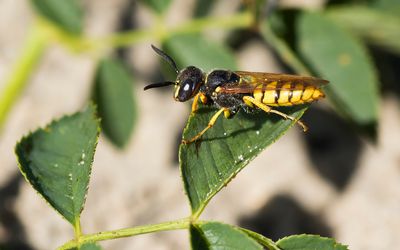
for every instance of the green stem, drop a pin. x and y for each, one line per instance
(161, 32)
(126, 232)
(240, 20)
(43, 32)
(21, 71)
(77, 228)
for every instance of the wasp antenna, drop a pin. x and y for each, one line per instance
(165, 57)
(158, 85)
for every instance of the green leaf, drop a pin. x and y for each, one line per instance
(268, 243)
(376, 26)
(389, 6)
(307, 242)
(215, 235)
(158, 6)
(281, 47)
(194, 50)
(203, 7)
(57, 161)
(113, 94)
(339, 57)
(65, 13)
(225, 149)
(90, 246)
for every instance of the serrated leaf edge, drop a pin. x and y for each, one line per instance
(335, 243)
(97, 120)
(211, 194)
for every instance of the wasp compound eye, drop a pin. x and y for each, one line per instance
(189, 81)
(185, 90)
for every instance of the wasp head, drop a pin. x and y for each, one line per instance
(187, 83)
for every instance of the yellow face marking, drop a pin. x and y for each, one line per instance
(176, 92)
(270, 93)
(258, 94)
(307, 94)
(218, 89)
(284, 94)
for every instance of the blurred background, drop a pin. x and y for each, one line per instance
(341, 179)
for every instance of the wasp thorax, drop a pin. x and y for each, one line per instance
(188, 83)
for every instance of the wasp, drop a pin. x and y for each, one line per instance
(231, 91)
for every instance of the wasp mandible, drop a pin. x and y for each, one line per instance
(231, 91)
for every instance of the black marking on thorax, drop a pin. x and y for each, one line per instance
(219, 78)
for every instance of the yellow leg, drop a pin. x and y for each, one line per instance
(195, 103)
(210, 124)
(267, 109)
(227, 113)
(203, 98)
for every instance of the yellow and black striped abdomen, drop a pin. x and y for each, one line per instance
(286, 94)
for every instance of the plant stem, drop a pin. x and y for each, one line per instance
(161, 32)
(126, 232)
(77, 228)
(21, 71)
(44, 31)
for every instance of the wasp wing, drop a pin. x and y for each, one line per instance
(270, 81)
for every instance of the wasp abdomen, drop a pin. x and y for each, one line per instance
(286, 94)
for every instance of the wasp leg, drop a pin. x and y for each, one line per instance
(210, 124)
(195, 103)
(248, 99)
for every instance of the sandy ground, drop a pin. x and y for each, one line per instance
(329, 181)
